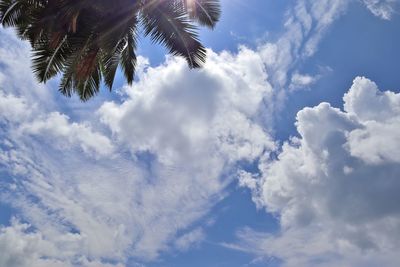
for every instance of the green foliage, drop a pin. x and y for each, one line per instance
(87, 40)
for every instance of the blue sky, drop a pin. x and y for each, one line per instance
(282, 151)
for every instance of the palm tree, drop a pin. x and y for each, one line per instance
(87, 40)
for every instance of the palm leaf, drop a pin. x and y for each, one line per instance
(87, 40)
(172, 28)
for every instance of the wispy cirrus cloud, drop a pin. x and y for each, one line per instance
(384, 9)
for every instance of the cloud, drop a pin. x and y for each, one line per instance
(378, 141)
(307, 247)
(190, 239)
(300, 81)
(382, 8)
(335, 187)
(16, 75)
(99, 188)
(30, 120)
(306, 24)
(20, 247)
(185, 117)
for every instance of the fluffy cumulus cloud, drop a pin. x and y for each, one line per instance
(384, 9)
(21, 247)
(97, 189)
(186, 117)
(335, 188)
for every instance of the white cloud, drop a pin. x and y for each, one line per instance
(25, 119)
(186, 116)
(300, 81)
(307, 22)
(16, 75)
(20, 247)
(308, 248)
(162, 169)
(57, 125)
(335, 188)
(367, 103)
(190, 239)
(382, 8)
(378, 141)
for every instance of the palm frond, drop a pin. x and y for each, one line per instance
(47, 62)
(172, 28)
(205, 12)
(85, 41)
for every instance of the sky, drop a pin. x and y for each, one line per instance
(282, 151)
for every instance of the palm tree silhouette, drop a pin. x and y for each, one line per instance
(86, 40)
